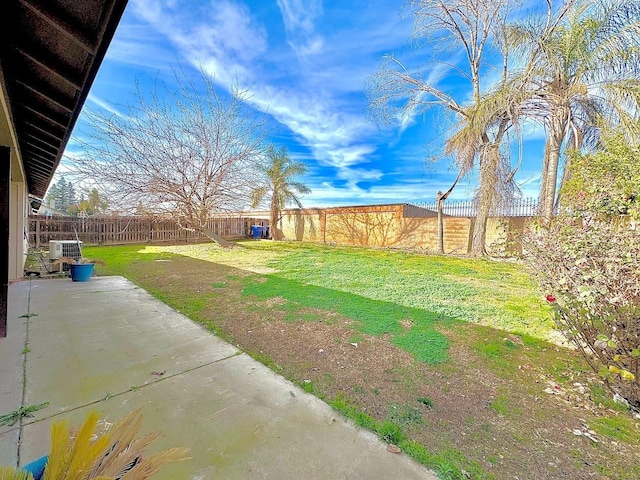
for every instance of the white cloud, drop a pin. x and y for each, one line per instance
(327, 195)
(533, 131)
(126, 46)
(299, 17)
(221, 36)
(106, 106)
(308, 96)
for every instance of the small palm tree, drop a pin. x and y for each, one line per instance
(98, 451)
(584, 72)
(281, 173)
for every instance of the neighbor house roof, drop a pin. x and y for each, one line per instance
(50, 52)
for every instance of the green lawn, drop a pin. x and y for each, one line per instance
(403, 295)
(495, 294)
(274, 299)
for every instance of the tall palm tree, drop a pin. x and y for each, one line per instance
(281, 173)
(583, 72)
(395, 91)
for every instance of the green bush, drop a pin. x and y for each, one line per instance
(590, 271)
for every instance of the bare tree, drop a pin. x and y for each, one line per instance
(473, 27)
(189, 152)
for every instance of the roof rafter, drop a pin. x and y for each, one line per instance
(46, 96)
(59, 23)
(45, 116)
(43, 130)
(77, 84)
(33, 137)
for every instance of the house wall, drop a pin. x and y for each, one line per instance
(18, 198)
(18, 204)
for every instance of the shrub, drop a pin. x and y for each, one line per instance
(590, 271)
(606, 183)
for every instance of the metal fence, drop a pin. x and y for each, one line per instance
(121, 230)
(522, 207)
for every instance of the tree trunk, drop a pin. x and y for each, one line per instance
(487, 194)
(479, 238)
(273, 221)
(441, 197)
(440, 233)
(552, 151)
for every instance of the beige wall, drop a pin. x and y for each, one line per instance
(375, 226)
(18, 203)
(302, 225)
(365, 226)
(18, 198)
(386, 226)
(504, 235)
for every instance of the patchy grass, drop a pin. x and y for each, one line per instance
(446, 358)
(620, 428)
(373, 317)
(496, 294)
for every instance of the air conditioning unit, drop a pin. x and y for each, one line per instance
(64, 248)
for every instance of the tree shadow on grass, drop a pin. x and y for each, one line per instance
(411, 329)
(196, 286)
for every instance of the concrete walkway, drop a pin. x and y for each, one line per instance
(107, 345)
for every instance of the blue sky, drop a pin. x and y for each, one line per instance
(306, 62)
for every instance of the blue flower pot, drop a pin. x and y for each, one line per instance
(81, 272)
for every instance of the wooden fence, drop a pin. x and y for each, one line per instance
(522, 207)
(122, 230)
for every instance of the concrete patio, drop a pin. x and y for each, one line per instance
(109, 346)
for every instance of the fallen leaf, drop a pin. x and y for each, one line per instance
(393, 449)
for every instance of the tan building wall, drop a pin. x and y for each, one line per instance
(504, 235)
(18, 198)
(401, 226)
(302, 225)
(17, 222)
(375, 226)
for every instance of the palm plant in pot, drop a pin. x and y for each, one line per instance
(98, 450)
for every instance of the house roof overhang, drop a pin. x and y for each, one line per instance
(50, 52)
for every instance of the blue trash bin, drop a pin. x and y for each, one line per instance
(256, 231)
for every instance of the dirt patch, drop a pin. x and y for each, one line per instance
(500, 407)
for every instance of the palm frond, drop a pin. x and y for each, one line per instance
(9, 473)
(151, 465)
(85, 449)
(60, 444)
(258, 195)
(111, 454)
(281, 172)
